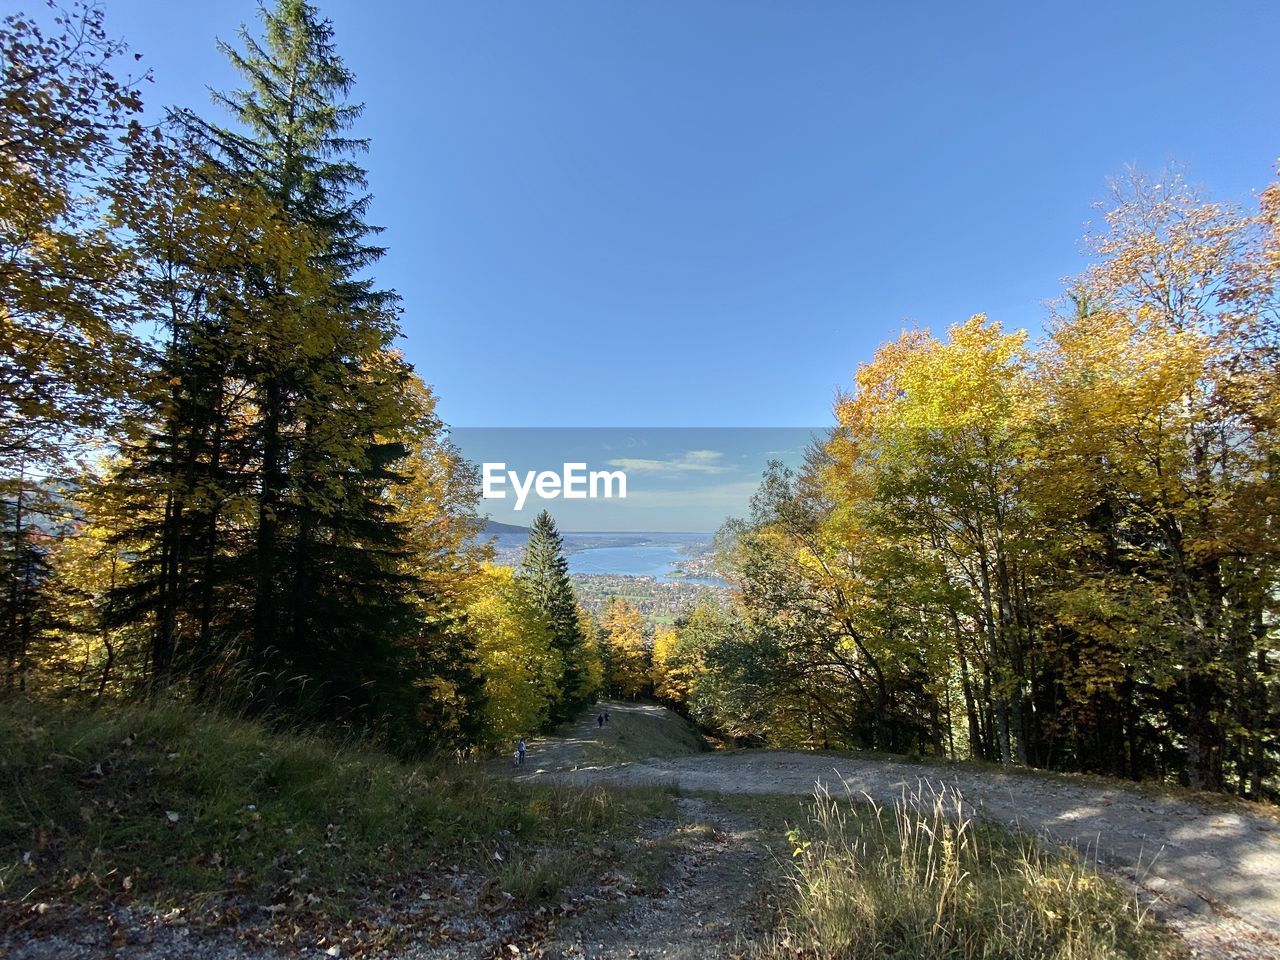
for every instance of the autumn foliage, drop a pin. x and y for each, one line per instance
(1058, 554)
(222, 480)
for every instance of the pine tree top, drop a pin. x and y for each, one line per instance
(544, 562)
(292, 122)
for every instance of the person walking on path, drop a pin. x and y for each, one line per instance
(599, 719)
(520, 748)
(606, 714)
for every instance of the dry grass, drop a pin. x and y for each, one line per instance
(923, 881)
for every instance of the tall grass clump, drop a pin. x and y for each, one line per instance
(922, 880)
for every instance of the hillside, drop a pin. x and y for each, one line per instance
(634, 732)
(111, 821)
(494, 528)
(162, 829)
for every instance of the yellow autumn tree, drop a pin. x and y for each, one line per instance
(927, 536)
(626, 650)
(593, 669)
(520, 667)
(435, 502)
(668, 684)
(1154, 449)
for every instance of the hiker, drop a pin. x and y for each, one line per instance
(520, 753)
(599, 719)
(606, 716)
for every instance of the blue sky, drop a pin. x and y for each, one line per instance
(707, 212)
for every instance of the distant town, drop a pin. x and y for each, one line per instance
(660, 574)
(659, 601)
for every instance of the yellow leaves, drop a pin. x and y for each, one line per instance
(668, 681)
(435, 499)
(971, 380)
(922, 401)
(1108, 369)
(627, 653)
(513, 644)
(592, 656)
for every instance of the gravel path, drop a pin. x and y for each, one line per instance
(710, 905)
(1213, 874)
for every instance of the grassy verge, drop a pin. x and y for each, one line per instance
(922, 881)
(171, 807)
(633, 734)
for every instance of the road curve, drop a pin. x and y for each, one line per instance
(1213, 873)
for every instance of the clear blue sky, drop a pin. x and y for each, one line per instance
(707, 212)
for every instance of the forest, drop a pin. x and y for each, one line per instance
(1059, 554)
(222, 481)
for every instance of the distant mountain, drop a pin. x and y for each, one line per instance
(492, 528)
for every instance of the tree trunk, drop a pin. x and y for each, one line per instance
(264, 618)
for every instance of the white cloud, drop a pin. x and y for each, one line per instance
(691, 461)
(730, 497)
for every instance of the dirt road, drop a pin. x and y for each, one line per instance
(710, 888)
(1213, 874)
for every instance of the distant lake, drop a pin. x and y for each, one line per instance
(657, 561)
(621, 554)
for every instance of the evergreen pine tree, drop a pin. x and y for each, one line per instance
(335, 619)
(323, 403)
(25, 587)
(186, 478)
(546, 571)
